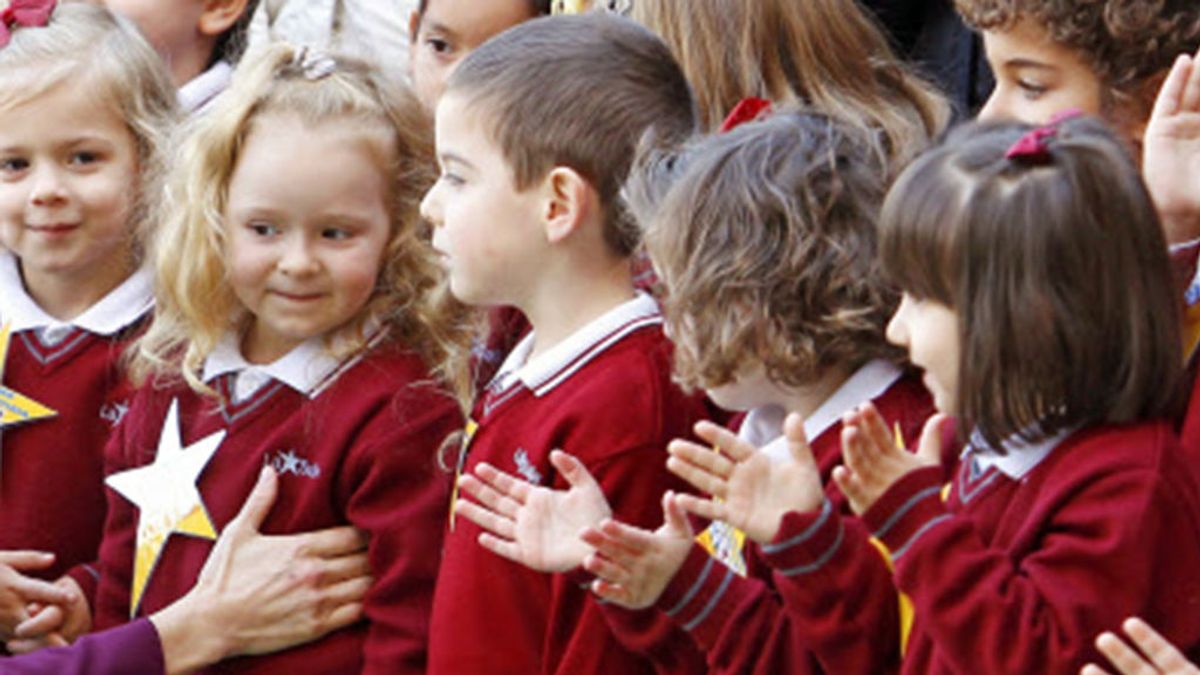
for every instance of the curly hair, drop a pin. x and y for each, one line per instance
(764, 239)
(196, 305)
(1125, 42)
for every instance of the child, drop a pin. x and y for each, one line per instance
(1072, 505)
(293, 329)
(200, 41)
(443, 32)
(535, 136)
(826, 54)
(85, 110)
(765, 242)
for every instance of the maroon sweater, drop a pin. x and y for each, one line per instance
(361, 452)
(803, 610)
(1012, 576)
(613, 405)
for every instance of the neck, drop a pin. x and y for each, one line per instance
(809, 398)
(565, 303)
(65, 297)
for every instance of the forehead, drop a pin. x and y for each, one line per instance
(67, 109)
(474, 21)
(1028, 44)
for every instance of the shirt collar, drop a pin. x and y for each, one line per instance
(763, 426)
(1020, 456)
(562, 360)
(307, 368)
(197, 93)
(117, 310)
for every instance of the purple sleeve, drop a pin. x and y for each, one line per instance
(131, 648)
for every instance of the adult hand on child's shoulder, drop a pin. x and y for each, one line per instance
(535, 526)
(1146, 653)
(247, 602)
(1171, 151)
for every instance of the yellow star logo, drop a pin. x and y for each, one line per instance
(16, 408)
(167, 498)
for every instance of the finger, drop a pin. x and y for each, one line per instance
(1093, 669)
(724, 440)
(674, 516)
(1126, 660)
(705, 508)
(856, 455)
(27, 646)
(606, 569)
(611, 592)
(337, 570)
(573, 470)
(1163, 654)
(505, 548)
(342, 616)
(1170, 95)
(930, 446)
(699, 478)
(259, 503)
(793, 429)
(613, 543)
(49, 619)
(332, 542)
(488, 520)
(45, 592)
(26, 560)
(1190, 101)
(350, 591)
(502, 483)
(702, 457)
(488, 496)
(850, 486)
(876, 430)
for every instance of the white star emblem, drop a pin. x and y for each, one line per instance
(166, 496)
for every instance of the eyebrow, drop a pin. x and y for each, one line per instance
(448, 157)
(1027, 63)
(437, 27)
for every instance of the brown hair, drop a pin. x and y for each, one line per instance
(1058, 270)
(765, 241)
(231, 44)
(536, 8)
(1127, 43)
(827, 54)
(578, 91)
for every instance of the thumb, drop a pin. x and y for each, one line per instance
(260, 501)
(929, 449)
(572, 470)
(26, 560)
(793, 429)
(674, 516)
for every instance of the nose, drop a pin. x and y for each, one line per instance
(431, 206)
(298, 258)
(897, 328)
(48, 186)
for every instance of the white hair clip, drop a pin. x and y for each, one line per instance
(314, 63)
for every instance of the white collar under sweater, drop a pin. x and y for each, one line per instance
(308, 368)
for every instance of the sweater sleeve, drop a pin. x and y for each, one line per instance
(395, 492)
(987, 612)
(132, 648)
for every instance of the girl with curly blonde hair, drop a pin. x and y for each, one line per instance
(297, 319)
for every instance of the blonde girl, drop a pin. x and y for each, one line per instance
(296, 321)
(85, 111)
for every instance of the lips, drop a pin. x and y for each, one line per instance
(295, 296)
(54, 228)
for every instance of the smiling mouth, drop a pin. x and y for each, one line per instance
(298, 297)
(56, 228)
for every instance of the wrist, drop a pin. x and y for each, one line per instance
(191, 636)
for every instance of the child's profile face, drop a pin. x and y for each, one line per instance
(68, 176)
(929, 331)
(1037, 78)
(448, 31)
(486, 231)
(750, 389)
(307, 225)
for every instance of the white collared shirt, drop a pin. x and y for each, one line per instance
(200, 91)
(763, 427)
(1021, 457)
(560, 361)
(121, 307)
(307, 369)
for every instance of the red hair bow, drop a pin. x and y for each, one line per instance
(28, 13)
(746, 110)
(1034, 147)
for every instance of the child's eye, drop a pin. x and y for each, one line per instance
(1032, 90)
(263, 229)
(13, 164)
(336, 233)
(439, 45)
(452, 179)
(84, 157)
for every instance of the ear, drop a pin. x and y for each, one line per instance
(570, 199)
(219, 16)
(414, 24)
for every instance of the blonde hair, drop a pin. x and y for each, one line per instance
(196, 305)
(85, 46)
(825, 54)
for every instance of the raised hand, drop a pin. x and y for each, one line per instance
(1171, 151)
(873, 463)
(633, 566)
(1157, 655)
(535, 526)
(750, 491)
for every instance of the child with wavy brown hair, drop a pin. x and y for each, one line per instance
(295, 327)
(764, 240)
(825, 54)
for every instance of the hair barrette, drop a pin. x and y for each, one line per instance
(25, 13)
(747, 110)
(314, 63)
(1034, 146)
